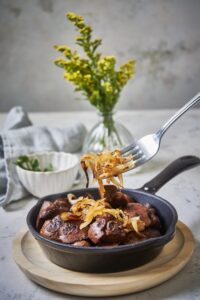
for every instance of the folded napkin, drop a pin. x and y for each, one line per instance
(20, 137)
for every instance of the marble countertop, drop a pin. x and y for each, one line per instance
(183, 192)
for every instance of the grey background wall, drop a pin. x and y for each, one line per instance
(162, 35)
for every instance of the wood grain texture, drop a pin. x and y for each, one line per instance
(31, 260)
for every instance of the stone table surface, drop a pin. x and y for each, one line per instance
(183, 192)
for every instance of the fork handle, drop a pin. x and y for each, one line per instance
(176, 167)
(178, 114)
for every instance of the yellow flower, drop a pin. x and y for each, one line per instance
(128, 68)
(80, 24)
(95, 95)
(108, 87)
(75, 55)
(60, 62)
(73, 17)
(85, 30)
(60, 48)
(64, 49)
(68, 76)
(87, 78)
(96, 76)
(126, 72)
(75, 76)
(110, 59)
(79, 38)
(106, 63)
(102, 64)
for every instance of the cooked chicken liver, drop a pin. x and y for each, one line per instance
(105, 229)
(96, 230)
(50, 228)
(70, 232)
(116, 198)
(51, 209)
(146, 214)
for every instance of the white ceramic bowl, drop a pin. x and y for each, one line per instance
(41, 184)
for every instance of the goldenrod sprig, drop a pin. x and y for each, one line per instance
(94, 75)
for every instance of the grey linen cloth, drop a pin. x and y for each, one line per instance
(20, 137)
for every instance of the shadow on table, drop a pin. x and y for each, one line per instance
(19, 204)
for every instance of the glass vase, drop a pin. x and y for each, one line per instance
(107, 134)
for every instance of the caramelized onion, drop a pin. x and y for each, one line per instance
(108, 165)
(138, 225)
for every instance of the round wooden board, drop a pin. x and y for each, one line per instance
(31, 260)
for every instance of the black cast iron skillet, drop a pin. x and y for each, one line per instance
(123, 257)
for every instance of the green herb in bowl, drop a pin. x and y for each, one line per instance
(48, 172)
(32, 164)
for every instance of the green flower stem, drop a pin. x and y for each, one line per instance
(108, 122)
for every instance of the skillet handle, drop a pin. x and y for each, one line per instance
(176, 167)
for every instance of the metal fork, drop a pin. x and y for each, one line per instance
(145, 148)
